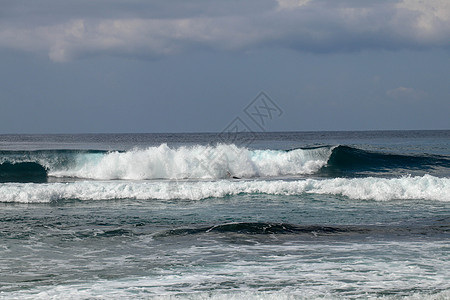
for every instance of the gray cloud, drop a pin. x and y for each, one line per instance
(71, 29)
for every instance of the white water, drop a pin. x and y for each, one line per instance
(370, 188)
(126, 290)
(200, 162)
(296, 270)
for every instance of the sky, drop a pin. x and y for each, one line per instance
(125, 66)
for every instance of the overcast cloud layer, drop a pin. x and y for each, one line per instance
(77, 66)
(67, 30)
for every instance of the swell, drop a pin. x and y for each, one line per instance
(260, 228)
(349, 161)
(270, 228)
(22, 172)
(36, 166)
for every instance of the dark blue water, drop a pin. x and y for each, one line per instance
(270, 216)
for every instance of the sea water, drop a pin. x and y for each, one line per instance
(296, 215)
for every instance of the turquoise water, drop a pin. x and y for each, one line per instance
(322, 215)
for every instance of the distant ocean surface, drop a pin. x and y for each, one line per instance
(288, 215)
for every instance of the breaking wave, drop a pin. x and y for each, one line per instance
(207, 162)
(163, 162)
(369, 188)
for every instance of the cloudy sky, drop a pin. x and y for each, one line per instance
(194, 66)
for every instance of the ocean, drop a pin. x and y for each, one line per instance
(285, 215)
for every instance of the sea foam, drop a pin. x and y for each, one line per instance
(370, 188)
(196, 162)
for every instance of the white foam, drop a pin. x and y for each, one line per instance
(311, 282)
(381, 189)
(113, 290)
(204, 162)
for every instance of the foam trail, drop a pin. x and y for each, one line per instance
(380, 189)
(200, 162)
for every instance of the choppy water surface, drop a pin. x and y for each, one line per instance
(291, 215)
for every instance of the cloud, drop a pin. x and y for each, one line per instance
(430, 19)
(290, 4)
(406, 94)
(157, 28)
